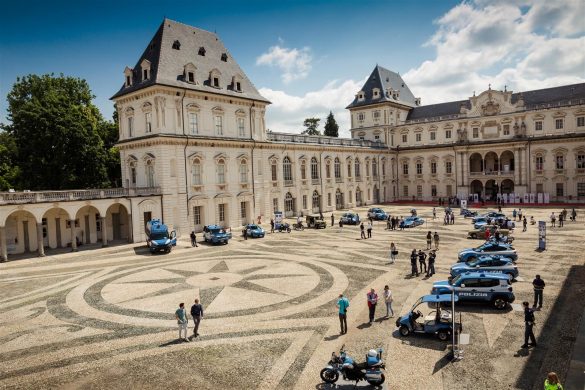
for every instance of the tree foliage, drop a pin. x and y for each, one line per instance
(331, 126)
(311, 125)
(61, 139)
(9, 171)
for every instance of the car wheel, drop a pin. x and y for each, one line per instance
(443, 335)
(510, 277)
(474, 236)
(500, 303)
(404, 331)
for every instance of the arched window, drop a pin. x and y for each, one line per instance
(367, 168)
(348, 168)
(273, 170)
(289, 203)
(221, 171)
(196, 172)
(374, 168)
(337, 168)
(316, 198)
(150, 173)
(314, 169)
(303, 170)
(383, 167)
(132, 162)
(328, 169)
(243, 171)
(357, 168)
(287, 170)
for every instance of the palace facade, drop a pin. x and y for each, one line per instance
(195, 151)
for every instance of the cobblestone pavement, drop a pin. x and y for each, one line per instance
(105, 318)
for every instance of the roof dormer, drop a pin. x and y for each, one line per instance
(214, 78)
(237, 83)
(145, 67)
(189, 73)
(376, 93)
(361, 96)
(128, 75)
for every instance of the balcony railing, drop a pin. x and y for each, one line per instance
(339, 180)
(358, 178)
(64, 196)
(491, 173)
(315, 181)
(323, 140)
(288, 183)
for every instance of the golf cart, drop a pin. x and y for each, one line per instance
(315, 221)
(436, 322)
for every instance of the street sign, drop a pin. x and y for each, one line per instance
(541, 235)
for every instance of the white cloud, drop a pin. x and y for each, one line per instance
(287, 112)
(521, 44)
(294, 63)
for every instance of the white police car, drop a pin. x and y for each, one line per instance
(478, 287)
(489, 264)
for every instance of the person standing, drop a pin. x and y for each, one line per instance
(452, 218)
(429, 239)
(553, 219)
(182, 321)
(388, 299)
(431, 270)
(514, 214)
(487, 234)
(343, 304)
(413, 266)
(372, 302)
(524, 224)
(401, 223)
(393, 253)
(271, 225)
(193, 239)
(519, 215)
(332, 220)
(552, 382)
(561, 219)
(573, 215)
(422, 261)
(245, 233)
(362, 230)
(529, 324)
(434, 214)
(436, 239)
(197, 314)
(538, 285)
(370, 229)
(388, 222)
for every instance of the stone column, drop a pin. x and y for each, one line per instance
(3, 248)
(104, 232)
(73, 236)
(516, 168)
(130, 229)
(40, 239)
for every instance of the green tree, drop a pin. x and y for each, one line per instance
(9, 171)
(331, 126)
(109, 134)
(311, 125)
(55, 127)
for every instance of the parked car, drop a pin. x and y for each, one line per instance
(254, 231)
(411, 222)
(480, 232)
(488, 248)
(468, 213)
(488, 264)
(216, 234)
(377, 214)
(478, 287)
(350, 219)
(315, 221)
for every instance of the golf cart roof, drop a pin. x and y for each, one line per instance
(438, 298)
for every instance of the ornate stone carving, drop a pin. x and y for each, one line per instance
(490, 108)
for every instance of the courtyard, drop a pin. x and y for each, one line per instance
(105, 318)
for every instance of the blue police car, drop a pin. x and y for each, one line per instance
(487, 264)
(350, 219)
(488, 248)
(411, 222)
(377, 214)
(254, 231)
(478, 287)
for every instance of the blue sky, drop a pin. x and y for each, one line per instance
(309, 57)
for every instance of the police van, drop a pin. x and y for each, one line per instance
(478, 287)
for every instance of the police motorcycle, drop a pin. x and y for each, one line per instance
(437, 322)
(370, 370)
(282, 227)
(299, 226)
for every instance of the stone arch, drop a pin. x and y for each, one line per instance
(507, 186)
(56, 225)
(491, 162)
(476, 187)
(475, 163)
(507, 161)
(21, 233)
(87, 225)
(116, 226)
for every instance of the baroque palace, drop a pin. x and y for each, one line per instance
(195, 151)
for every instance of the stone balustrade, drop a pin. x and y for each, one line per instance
(323, 140)
(69, 195)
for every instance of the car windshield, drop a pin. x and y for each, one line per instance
(214, 231)
(473, 263)
(453, 281)
(158, 236)
(252, 227)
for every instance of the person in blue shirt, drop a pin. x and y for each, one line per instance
(343, 304)
(181, 316)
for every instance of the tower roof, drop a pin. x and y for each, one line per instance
(176, 45)
(386, 81)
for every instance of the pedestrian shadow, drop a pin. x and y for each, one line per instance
(348, 386)
(522, 352)
(332, 337)
(364, 325)
(172, 342)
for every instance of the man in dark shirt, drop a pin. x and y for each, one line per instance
(197, 314)
(422, 257)
(431, 270)
(363, 232)
(538, 285)
(413, 266)
(529, 323)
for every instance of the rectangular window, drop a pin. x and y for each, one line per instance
(448, 134)
(581, 161)
(241, 127)
(243, 210)
(216, 82)
(221, 174)
(191, 77)
(539, 188)
(196, 174)
(419, 168)
(560, 189)
(243, 172)
(506, 129)
(377, 137)
(193, 123)
(238, 86)
(405, 169)
(148, 120)
(449, 189)
(329, 199)
(145, 73)
(560, 162)
(580, 121)
(376, 115)
(274, 205)
(130, 126)
(433, 135)
(475, 131)
(361, 117)
(449, 167)
(433, 190)
(433, 167)
(221, 211)
(581, 190)
(559, 125)
(133, 175)
(405, 191)
(418, 137)
(197, 215)
(539, 163)
(419, 191)
(404, 138)
(218, 125)
(538, 125)
(305, 201)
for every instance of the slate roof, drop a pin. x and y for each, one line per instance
(384, 79)
(167, 64)
(546, 96)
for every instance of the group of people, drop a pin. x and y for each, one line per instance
(449, 218)
(418, 262)
(372, 300)
(562, 217)
(183, 320)
(393, 222)
(364, 228)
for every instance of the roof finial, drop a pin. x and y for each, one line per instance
(473, 93)
(505, 88)
(490, 86)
